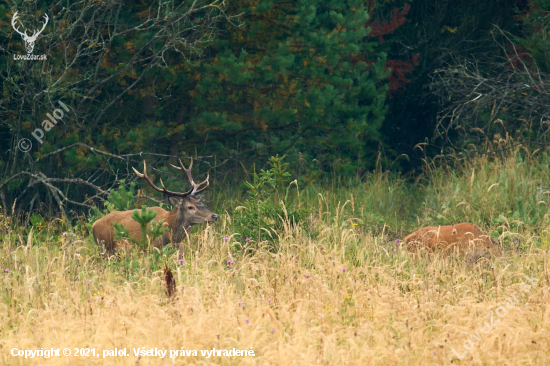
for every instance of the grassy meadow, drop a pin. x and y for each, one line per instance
(338, 289)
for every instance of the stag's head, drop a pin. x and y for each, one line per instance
(191, 210)
(29, 40)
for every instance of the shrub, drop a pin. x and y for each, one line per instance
(156, 230)
(270, 204)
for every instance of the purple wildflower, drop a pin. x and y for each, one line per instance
(344, 269)
(398, 240)
(229, 261)
(247, 239)
(181, 260)
(306, 276)
(247, 320)
(7, 270)
(225, 239)
(268, 300)
(272, 330)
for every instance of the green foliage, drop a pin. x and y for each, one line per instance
(269, 205)
(121, 199)
(41, 231)
(121, 232)
(536, 34)
(518, 216)
(156, 230)
(143, 219)
(302, 77)
(37, 221)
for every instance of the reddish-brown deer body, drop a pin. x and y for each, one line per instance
(189, 211)
(463, 238)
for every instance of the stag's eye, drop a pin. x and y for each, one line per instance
(191, 208)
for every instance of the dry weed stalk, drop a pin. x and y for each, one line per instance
(170, 282)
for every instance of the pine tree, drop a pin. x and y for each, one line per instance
(286, 82)
(143, 219)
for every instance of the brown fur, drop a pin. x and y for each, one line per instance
(189, 211)
(464, 238)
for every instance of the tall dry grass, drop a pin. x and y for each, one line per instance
(344, 299)
(335, 293)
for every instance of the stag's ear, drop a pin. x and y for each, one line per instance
(199, 197)
(175, 201)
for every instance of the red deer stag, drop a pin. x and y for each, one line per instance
(465, 238)
(189, 211)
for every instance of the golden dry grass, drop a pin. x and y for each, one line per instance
(345, 298)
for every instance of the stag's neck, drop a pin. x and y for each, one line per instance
(179, 224)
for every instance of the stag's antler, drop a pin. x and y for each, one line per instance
(161, 190)
(194, 190)
(187, 171)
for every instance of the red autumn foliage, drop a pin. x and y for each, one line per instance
(399, 68)
(379, 28)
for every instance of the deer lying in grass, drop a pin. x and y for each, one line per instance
(464, 238)
(189, 211)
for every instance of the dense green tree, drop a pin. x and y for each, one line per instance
(285, 81)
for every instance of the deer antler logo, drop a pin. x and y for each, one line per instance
(29, 40)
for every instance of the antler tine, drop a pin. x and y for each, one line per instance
(161, 190)
(146, 178)
(138, 173)
(190, 164)
(195, 186)
(187, 171)
(183, 168)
